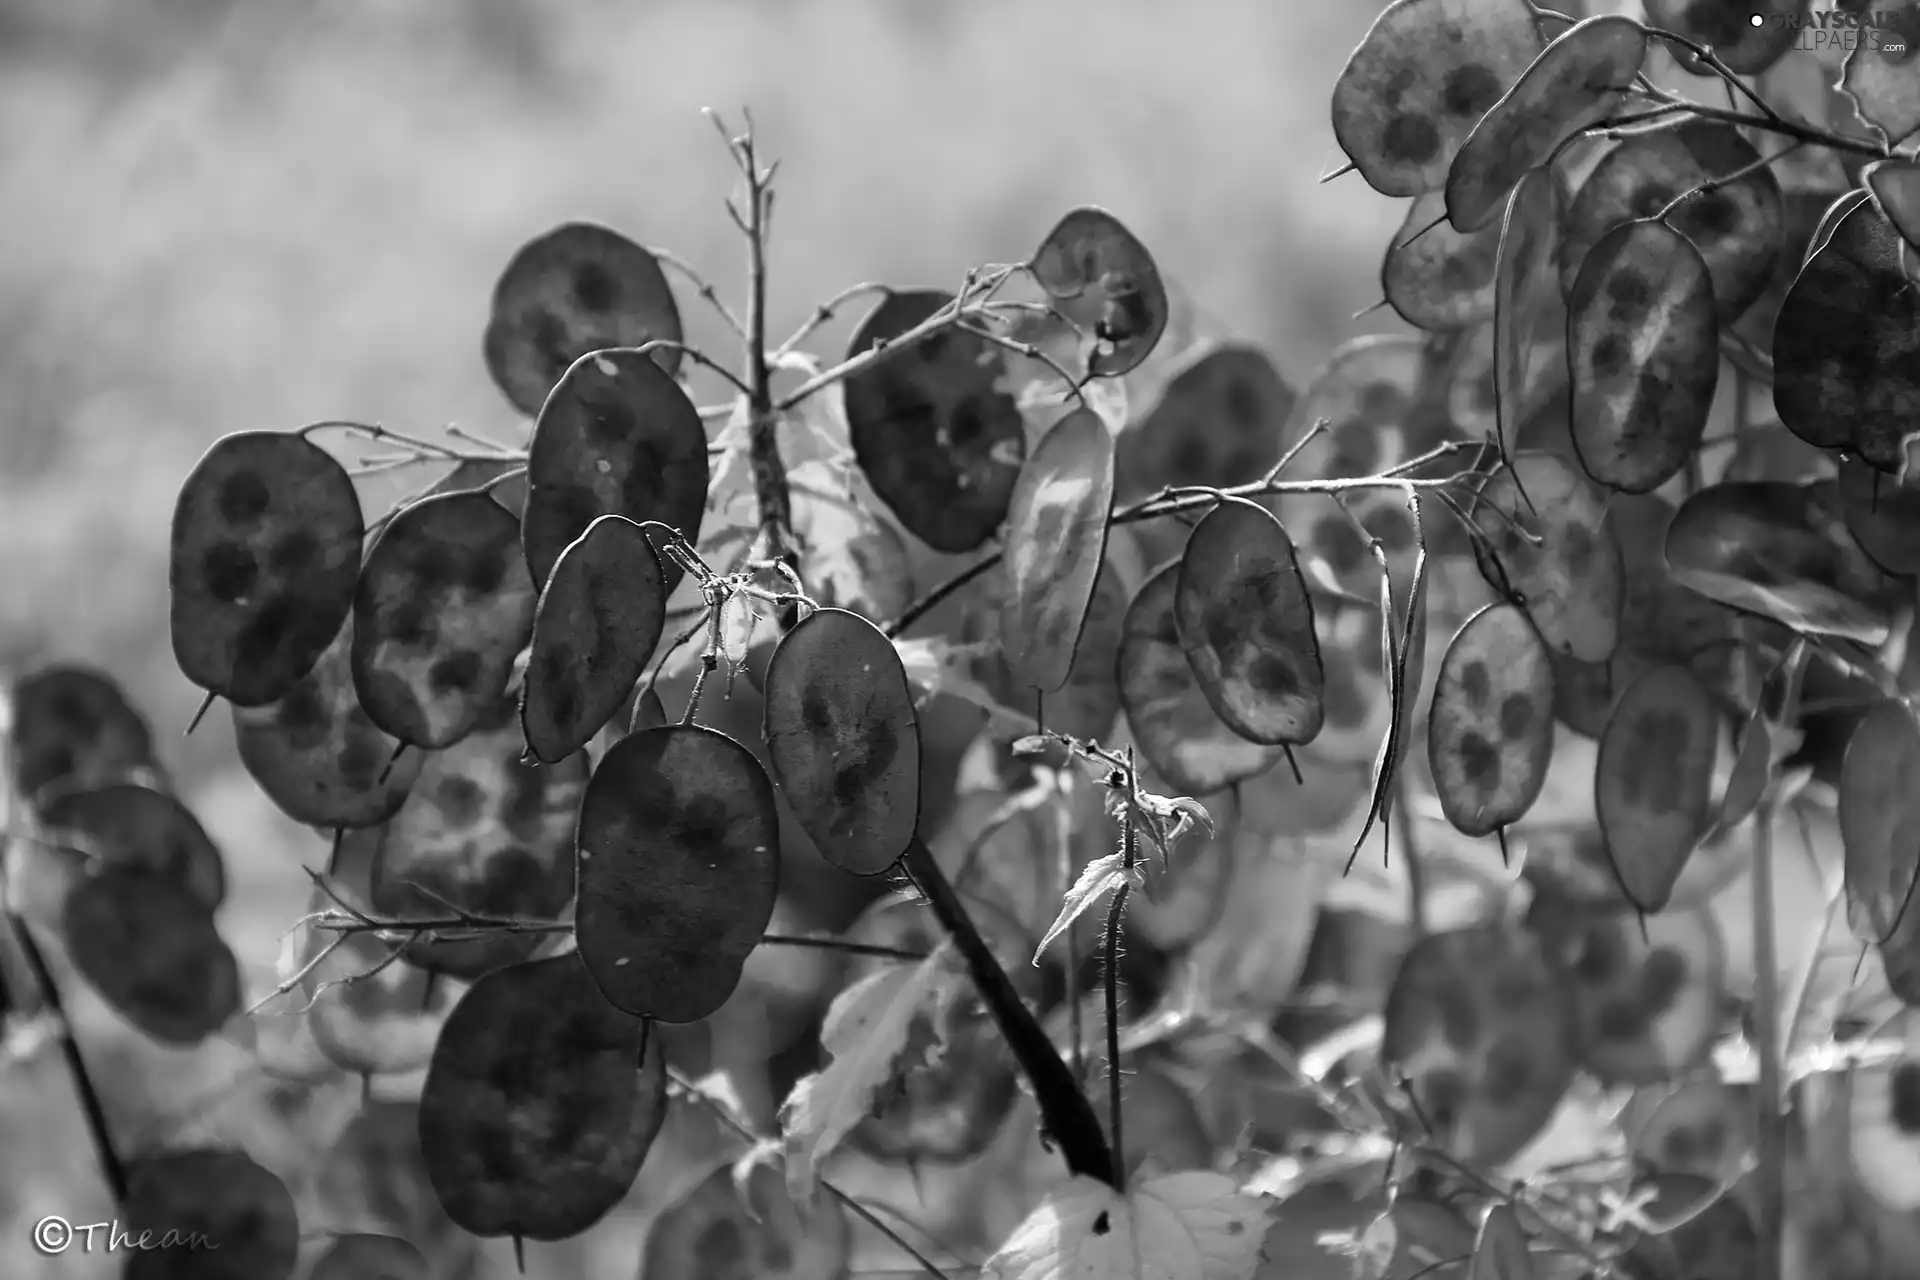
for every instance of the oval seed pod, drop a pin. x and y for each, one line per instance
(1770, 548)
(1246, 625)
(262, 561)
(1882, 515)
(721, 1230)
(618, 436)
(1653, 782)
(1176, 728)
(1478, 1021)
(208, 1213)
(1436, 278)
(1879, 810)
(1647, 1007)
(319, 756)
(135, 827)
(1846, 343)
(1219, 421)
(679, 842)
(580, 287)
(1056, 538)
(486, 832)
(534, 1120)
(444, 606)
(843, 739)
(936, 435)
(1421, 79)
(75, 726)
(365, 1256)
(1643, 346)
(1102, 279)
(1571, 581)
(150, 948)
(1490, 726)
(1738, 227)
(599, 618)
(1577, 81)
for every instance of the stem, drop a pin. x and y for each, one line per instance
(763, 439)
(1766, 1000)
(1113, 1028)
(1065, 1114)
(91, 1109)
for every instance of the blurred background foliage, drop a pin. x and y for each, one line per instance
(225, 215)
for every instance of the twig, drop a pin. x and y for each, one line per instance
(702, 286)
(1718, 66)
(1173, 502)
(1410, 850)
(823, 313)
(980, 285)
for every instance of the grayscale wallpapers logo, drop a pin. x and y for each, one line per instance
(1888, 32)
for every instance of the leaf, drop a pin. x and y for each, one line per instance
(1748, 35)
(1477, 1020)
(1421, 79)
(540, 1104)
(580, 287)
(1753, 769)
(1571, 583)
(1098, 878)
(599, 619)
(487, 832)
(1883, 515)
(149, 946)
(317, 754)
(1220, 420)
(863, 1035)
(618, 436)
(443, 606)
(240, 1216)
(1525, 255)
(1880, 76)
(73, 725)
(1653, 784)
(1738, 227)
(1174, 725)
(1103, 280)
(935, 433)
(1056, 539)
(1182, 1225)
(262, 558)
(1760, 546)
(679, 844)
(1490, 726)
(1578, 80)
(1643, 346)
(1500, 1252)
(1879, 810)
(1246, 625)
(1846, 346)
(1436, 278)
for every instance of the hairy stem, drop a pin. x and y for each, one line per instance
(1111, 981)
(1065, 1114)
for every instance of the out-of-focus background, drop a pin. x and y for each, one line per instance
(223, 215)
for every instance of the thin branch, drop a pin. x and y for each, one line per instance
(702, 286)
(822, 314)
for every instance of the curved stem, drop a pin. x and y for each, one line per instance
(1065, 1113)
